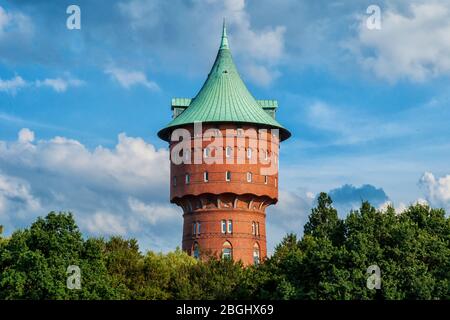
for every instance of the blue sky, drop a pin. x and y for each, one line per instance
(79, 109)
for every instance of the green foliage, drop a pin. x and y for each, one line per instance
(330, 261)
(34, 262)
(412, 250)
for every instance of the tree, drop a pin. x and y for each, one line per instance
(34, 262)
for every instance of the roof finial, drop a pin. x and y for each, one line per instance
(224, 41)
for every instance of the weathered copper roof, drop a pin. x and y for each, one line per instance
(224, 98)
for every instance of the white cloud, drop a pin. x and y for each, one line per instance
(349, 125)
(128, 79)
(288, 215)
(414, 44)
(259, 50)
(25, 135)
(13, 22)
(16, 196)
(59, 84)
(260, 75)
(121, 190)
(103, 223)
(398, 209)
(437, 190)
(264, 45)
(153, 213)
(12, 85)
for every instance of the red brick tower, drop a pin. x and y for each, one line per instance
(224, 148)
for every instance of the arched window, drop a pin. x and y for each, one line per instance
(257, 229)
(249, 177)
(253, 228)
(206, 152)
(227, 250)
(256, 254)
(228, 176)
(187, 178)
(196, 250)
(205, 176)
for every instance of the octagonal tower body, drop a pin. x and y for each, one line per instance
(228, 173)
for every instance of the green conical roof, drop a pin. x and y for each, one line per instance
(224, 98)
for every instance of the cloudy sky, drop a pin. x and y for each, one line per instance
(369, 109)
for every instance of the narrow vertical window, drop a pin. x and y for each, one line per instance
(240, 132)
(230, 226)
(257, 228)
(174, 181)
(187, 178)
(198, 228)
(266, 179)
(228, 152)
(249, 177)
(256, 254)
(249, 153)
(253, 228)
(187, 156)
(196, 251)
(223, 226)
(228, 176)
(266, 155)
(205, 176)
(206, 152)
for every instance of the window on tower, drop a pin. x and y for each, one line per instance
(187, 156)
(187, 178)
(228, 152)
(227, 250)
(249, 177)
(196, 250)
(230, 226)
(205, 176)
(253, 228)
(223, 226)
(228, 176)
(195, 229)
(256, 254)
(249, 153)
(266, 179)
(174, 181)
(206, 152)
